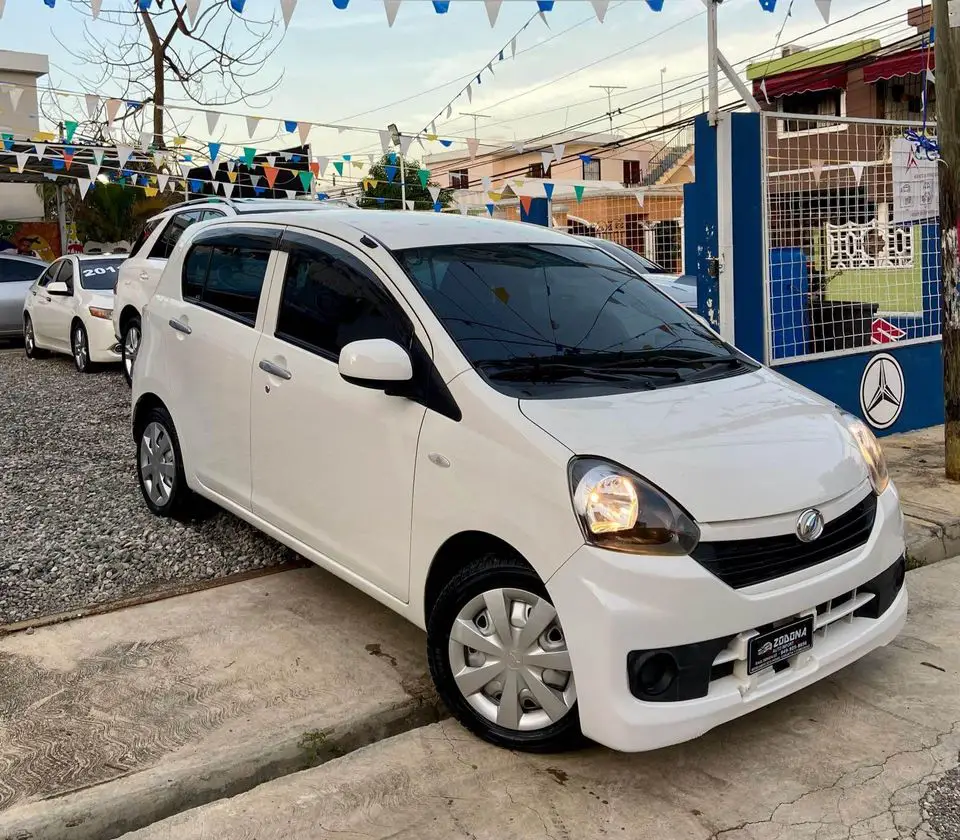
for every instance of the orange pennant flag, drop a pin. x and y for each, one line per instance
(525, 202)
(315, 168)
(67, 159)
(270, 173)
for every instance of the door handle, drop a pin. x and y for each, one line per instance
(179, 326)
(275, 370)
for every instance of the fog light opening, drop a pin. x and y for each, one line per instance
(657, 673)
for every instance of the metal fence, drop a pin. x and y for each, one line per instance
(852, 235)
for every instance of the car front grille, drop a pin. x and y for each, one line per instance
(740, 563)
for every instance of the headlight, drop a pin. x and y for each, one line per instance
(620, 511)
(872, 453)
(100, 312)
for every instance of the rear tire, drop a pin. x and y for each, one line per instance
(30, 340)
(130, 346)
(497, 690)
(80, 347)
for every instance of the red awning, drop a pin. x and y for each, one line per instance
(898, 64)
(801, 81)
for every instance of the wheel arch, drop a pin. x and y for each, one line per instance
(128, 312)
(145, 403)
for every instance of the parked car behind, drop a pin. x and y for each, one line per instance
(17, 274)
(606, 518)
(149, 254)
(69, 310)
(681, 287)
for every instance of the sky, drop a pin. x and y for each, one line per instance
(349, 67)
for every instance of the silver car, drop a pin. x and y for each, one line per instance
(682, 288)
(17, 274)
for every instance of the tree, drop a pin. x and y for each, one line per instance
(162, 52)
(391, 190)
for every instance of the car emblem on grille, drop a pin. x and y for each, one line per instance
(809, 525)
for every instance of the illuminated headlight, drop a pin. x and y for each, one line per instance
(870, 449)
(620, 511)
(99, 312)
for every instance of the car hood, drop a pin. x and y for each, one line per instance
(741, 447)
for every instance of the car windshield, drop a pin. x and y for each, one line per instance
(99, 275)
(545, 320)
(631, 258)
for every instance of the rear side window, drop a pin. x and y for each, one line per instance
(18, 271)
(225, 272)
(145, 234)
(330, 299)
(171, 234)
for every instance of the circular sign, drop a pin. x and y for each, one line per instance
(882, 391)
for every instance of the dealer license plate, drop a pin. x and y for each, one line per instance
(770, 648)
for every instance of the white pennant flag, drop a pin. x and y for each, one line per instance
(98, 155)
(433, 127)
(543, 17)
(405, 142)
(600, 7)
(21, 160)
(857, 168)
(763, 90)
(385, 141)
(823, 6)
(113, 106)
(213, 166)
(304, 128)
(231, 165)
(162, 180)
(93, 105)
(15, 94)
(123, 154)
(322, 164)
(83, 184)
(518, 147)
(434, 193)
(212, 119)
(41, 149)
(252, 123)
(640, 197)
(95, 8)
(558, 151)
(493, 9)
(816, 167)
(513, 48)
(185, 167)
(490, 68)
(193, 6)
(271, 160)
(291, 193)
(287, 7)
(931, 78)
(228, 188)
(487, 182)
(472, 145)
(546, 158)
(470, 93)
(94, 170)
(372, 159)
(2, 2)
(411, 205)
(341, 129)
(390, 7)
(693, 170)
(146, 138)
(449, 111)
(157, 159)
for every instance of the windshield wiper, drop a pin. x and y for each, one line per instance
(678, 358)
(551, 370)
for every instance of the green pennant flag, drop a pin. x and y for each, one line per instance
(306, 178)
(248, 155)
(71, 127)
(338, 165)
(578, 191)
(424, 176)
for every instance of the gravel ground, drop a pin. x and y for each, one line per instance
(942, 806)
(74, 531)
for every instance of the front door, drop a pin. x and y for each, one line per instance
(40, 312)
(333, 463)
(59, 311)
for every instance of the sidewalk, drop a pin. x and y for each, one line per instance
(931, 504)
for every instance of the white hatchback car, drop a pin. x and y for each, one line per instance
(606, 518)
(138, 279)
(69, 308)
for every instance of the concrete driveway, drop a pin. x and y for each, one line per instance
(869, 753)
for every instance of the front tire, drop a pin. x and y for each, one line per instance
(130, 343)
(499, 657)
(30, 340)
(80, 347)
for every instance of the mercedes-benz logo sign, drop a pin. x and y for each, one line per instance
(881, 391)
(809, 525)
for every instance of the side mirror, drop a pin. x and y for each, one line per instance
(375, 363)
(58, 287)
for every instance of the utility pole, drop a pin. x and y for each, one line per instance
(663, 107)
(609, 88)
(947, 27)
(475, 118)
(713, 78)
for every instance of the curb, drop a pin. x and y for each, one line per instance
(936, 542)
(110, 809)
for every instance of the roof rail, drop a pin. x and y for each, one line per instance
(212, 199)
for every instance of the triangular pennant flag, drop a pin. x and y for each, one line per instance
(438, 207)
(857, 168)
(513, 47)
(405, 142)
(291, 193)
(600, 7)
(763, 90)
(149, 192)
(248, 155)
(94, 170)
(287, 7)
(391, 172)
(655, 5)
(487, 183)
(41, 149)
(546, 159)
(430, 137)
(449, 113)
(15, 94)
(469, 93)
(213, 166)
(558, 152)
(434, 193)
(252, 123)
(816, 167)
(548, 189)
(525, 201)
(578, 192)
(693, 170)
(930, 77)
(193, 6)
(68, 158)
(495, 196)
(231, 164)
(768, 5)
(441, 7)
(390, 7)
(518, 148)
(157, 159)
(146, 138)
(338, 165)
(411, 205)
(83, 184)
(98, 155)
(232, 176)
(58, 164)
(641, 196)
(113, 106)
(490, 208)
(21, 160)
(214, 151)
(446, 143)
(270, 173)
(472, 145)
(367, 183)
(823, 6)
(213, 117)
(93, 105)
(322, 164)
(385, 140)
(315, 169)
(228, 189)
(306, 178)
(95, 8)
(433, 129)
(271, 160)
(424, 176)
(123, 154)
(162, 180)
(304, 128)
(543, 17)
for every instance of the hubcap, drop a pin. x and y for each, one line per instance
(28, 337)
(157, 463)
(510, 660)
(80, 348)
(131, 345)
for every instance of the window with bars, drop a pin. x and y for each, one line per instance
(901, 98)
(632, 173)
(821, 103)
(591, 170)
(460, 179)
(536, 170)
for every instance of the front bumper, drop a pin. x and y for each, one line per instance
(612, 605)
(103, 343)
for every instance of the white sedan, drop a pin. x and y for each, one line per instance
(69, 310)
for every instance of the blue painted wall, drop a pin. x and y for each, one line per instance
(700, 221)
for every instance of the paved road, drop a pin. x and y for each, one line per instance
(871, 753)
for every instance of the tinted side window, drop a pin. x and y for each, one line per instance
(195, 271)
(18, 271)
(49, 274)
(330, 299)
(172, 233)
(66, 273)
(148, 229)
(234, 280)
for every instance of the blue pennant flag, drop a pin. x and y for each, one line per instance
(391, 172)
(437, 207)
(441, 6)
(478, 79)
(392, 157)
(144, 4)
(50, 3)
(214, 150)
(656, 5)
(347, 158)
(290, 125)
(188, 157)
(237, 6)
(490, 208)
(323, 196)
(57, 162)
(446, 143)
(341, 4)
(296, 158)
(545, 5)
(259, 190)
(196, 185)
(381, 201)
(768, 5)
(126, 173)
(548, 189)
(586, 158)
